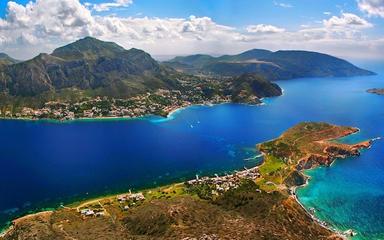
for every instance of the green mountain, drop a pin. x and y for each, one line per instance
(251, 54)
(87, 64)
(197, 60)
(272, 65)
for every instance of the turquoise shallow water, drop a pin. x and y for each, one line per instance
(350, 194)
(44, 163)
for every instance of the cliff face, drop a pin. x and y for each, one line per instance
(331, 152)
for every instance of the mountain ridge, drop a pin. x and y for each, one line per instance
(278, 65)
(86, 63)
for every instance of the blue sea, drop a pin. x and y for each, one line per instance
(45, 164)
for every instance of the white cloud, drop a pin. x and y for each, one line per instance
(327, 13)
(347, 20)
(43, 25)
(101, 7)
(372, 7)
(263, 28)
(42, 18)
(283, 5)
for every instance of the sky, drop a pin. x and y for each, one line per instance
(352, 29)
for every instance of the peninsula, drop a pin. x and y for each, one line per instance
(304, 146)
(256, 203)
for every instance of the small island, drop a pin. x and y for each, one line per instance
(378, 91)
(256, 203)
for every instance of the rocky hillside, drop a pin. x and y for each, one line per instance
(172, 213)
(272, 65)
(87, 64)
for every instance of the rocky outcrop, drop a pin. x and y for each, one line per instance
(331, 152)
(295, 178)
(313, 161)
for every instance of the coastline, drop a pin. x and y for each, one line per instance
(347, 234)
(319, 222)
(76, 205)
(28, 216)
(326, 225)
(124, 118)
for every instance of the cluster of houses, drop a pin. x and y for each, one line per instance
(46, 112)
(90, 213)
(125, 199)
(130, 198)
(160, 102)
(224, 183)
(136, 197)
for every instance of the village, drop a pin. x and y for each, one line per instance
(221, 184)
(160, 102)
